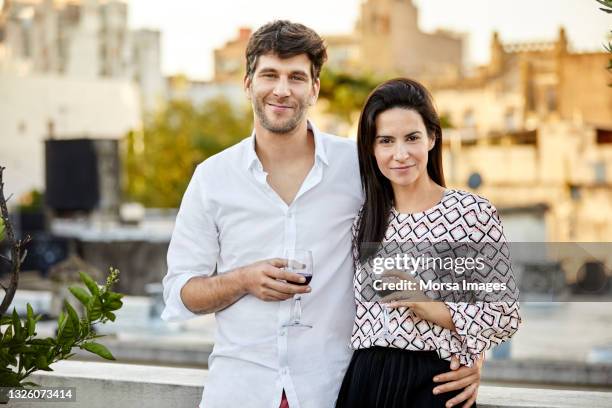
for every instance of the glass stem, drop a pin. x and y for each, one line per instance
(386, 319)
(297, 316)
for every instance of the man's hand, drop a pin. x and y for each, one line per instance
(264, 280)
(461, 377)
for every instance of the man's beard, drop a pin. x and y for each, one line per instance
(281, 127)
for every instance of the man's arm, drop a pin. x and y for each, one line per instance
(460, 378)
(209, 294)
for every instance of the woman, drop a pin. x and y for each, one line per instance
(396, 357)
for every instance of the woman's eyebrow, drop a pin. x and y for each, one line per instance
(416, 132)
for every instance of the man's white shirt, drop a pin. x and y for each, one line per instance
(230, 217)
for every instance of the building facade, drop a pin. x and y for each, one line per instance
(386, 40)
(532, 131)
(392, 43)
(80, 39)
(69, 69)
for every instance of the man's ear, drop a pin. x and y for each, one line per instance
(316, 87)
(247, 86)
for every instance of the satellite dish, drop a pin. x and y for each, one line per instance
(474, 181)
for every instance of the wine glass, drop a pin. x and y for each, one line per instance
(298, 261)
(385, 333)
(382, 294)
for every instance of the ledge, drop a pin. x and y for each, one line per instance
(100, 385)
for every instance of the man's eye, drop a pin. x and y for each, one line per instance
(297, 78)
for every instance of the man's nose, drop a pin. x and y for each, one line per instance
(282, 88)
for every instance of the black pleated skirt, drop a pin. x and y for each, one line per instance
(384, 377)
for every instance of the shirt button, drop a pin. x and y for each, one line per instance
(285, 371)
(283, 332)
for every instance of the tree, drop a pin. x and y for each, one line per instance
(159, 161)
(346, 93)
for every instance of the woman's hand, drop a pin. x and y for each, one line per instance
(435, 312)
(415, 299)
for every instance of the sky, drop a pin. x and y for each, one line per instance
(192, 29)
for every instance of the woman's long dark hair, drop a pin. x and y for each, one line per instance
(395, 93)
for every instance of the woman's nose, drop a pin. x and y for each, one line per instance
(401, 152)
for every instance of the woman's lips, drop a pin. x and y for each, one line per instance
(403, 168)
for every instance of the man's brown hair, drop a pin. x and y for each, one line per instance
(286, 39)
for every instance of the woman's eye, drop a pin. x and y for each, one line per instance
(384, 140)
(412, 138)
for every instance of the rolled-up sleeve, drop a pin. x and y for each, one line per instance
(194, 246)
(483, 324)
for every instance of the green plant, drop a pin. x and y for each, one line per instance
(22, 353)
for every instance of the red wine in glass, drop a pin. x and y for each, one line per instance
(308, 278)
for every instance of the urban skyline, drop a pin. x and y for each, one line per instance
(192, 30)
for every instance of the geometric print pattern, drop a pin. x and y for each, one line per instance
(479, 325)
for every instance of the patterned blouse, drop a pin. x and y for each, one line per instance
(459, 217)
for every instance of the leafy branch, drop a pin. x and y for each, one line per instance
(607, 5)
(607, 8)
(21, 353)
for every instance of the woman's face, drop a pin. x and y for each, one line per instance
(401, 146)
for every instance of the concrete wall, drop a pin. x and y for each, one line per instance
(120, 385)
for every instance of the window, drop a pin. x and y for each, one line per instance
(604, 136)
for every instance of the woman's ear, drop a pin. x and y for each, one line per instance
(432, 142)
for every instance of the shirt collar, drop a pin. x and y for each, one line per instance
(251, 158)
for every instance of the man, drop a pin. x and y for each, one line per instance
(287, 186)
